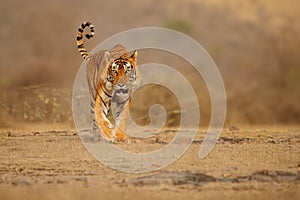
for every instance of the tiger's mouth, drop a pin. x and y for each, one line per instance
(121, 95)
(121, 91)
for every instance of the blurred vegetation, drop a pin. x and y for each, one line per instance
(35, 103)
(179, 25)
(255, 44)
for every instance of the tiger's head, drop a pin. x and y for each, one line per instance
(122, 74)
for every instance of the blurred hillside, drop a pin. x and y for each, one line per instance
(255, 44)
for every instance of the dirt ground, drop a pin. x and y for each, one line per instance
(246, 163)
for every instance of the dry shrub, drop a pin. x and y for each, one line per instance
(35, 103)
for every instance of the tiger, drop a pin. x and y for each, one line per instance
(111, 75)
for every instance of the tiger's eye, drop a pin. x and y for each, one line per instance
(114, 66)
(127, 65)
(109, 77)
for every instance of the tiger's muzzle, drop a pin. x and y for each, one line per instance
(121, 93)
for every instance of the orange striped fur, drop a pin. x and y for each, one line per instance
(111, 76)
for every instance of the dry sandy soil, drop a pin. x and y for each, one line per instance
(246, 163)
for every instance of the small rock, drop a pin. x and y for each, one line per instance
(49, 181)
(121, 181)
(36, 133)
(20, 169)
(7, 133)
(81, 179)
(226, 175)
(62, 181)
(233, 128)
(22, 181)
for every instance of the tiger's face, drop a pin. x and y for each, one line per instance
(122, 74)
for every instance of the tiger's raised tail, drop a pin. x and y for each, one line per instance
(82, 50)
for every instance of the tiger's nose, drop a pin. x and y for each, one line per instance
(121, 85)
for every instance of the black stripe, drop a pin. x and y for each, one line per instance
(94, 95)
(80, 30)
(80, 46)
(103, 101)
(88, 36)
(118, 114)
(105, 92)
(79, 37)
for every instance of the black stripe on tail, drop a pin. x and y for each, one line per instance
(80, 45)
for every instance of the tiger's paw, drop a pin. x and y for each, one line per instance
(121, 137)
(108, 135)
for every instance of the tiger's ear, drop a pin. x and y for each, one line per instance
(107, 56)
(134, 56)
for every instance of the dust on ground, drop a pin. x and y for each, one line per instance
(246, 163)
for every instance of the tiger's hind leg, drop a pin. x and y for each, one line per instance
(95, 132)
(122, 111)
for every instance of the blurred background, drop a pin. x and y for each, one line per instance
(255, 44)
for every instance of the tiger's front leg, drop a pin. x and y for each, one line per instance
(105, 126)
(122, 111)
